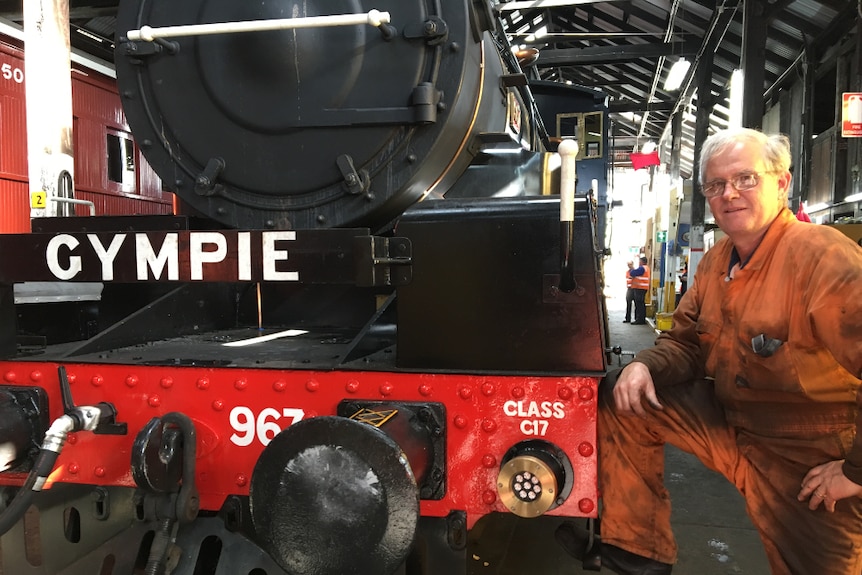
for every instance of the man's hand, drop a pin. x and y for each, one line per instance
(827, 484)
(635, 384)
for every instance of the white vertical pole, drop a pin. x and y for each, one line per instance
(47, 71)
(568, 150)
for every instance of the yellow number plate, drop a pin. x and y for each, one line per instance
(38, 199)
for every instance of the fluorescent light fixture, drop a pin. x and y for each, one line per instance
(853, 198)
(737, 90)
(530, 4)
(89, 35)
(676, 75)
(817, 207)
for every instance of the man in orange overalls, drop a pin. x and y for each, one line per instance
(640, 285)
(630, 294)
(759, 378)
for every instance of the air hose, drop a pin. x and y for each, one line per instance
(78, 419)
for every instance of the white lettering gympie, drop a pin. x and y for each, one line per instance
(243, 263)
(64, 255)
(272, 255)
(148, 259)
(198, 255)
(106, 256)
(64, 243)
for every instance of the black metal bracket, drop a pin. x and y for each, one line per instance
(163, 466)
(513, 80)
(107, 424)
(425, 100)
(433, 30)
(357, 182)
(146, 49)
(205, 183)
(383, 261)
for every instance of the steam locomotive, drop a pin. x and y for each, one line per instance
(377, 319)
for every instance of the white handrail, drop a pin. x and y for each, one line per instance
(373, 18)
(62, 200)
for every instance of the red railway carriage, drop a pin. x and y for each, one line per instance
(109, 169)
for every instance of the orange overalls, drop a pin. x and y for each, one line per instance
(763, 420)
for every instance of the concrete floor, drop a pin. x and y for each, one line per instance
(714, 534)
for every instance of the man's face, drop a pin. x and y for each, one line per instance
(749, 212)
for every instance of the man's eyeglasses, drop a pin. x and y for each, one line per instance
(739, 182)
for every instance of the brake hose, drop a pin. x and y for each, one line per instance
(79, 418)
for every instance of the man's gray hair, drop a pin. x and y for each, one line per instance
(776, 147)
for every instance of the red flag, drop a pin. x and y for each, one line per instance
(801, 215)
(644, 160)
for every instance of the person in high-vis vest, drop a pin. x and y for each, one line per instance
(630, 294)
(759, 378)
(640, 285)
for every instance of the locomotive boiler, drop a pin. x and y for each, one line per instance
(376, 320)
